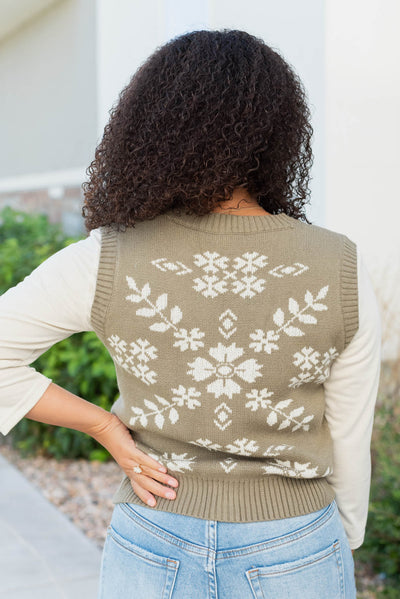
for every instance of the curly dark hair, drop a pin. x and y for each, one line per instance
(208, 111)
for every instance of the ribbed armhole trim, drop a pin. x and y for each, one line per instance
(105, 279)
(349, 289)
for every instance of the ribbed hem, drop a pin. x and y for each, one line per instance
(105, 279)
(224, 223)
(269, 498)
(349, 290)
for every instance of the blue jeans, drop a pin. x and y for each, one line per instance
(151, 554)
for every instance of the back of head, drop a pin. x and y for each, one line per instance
(207, 112)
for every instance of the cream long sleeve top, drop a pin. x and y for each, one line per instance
(56, 299)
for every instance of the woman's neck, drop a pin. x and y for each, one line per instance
(240, 203)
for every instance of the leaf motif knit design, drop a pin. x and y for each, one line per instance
(174, 461)
(265, 341)
(167, 408)
(180, 463)
(277, 411)
(284, 468)
(186, 339)
(242, 446)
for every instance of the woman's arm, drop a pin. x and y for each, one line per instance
(350, 396)
(49, 305)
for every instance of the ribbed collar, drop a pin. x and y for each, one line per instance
(224, 223)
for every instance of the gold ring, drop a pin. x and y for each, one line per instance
(138, 469)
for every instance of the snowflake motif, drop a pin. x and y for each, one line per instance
(210, 286)
(211, 261)
(248, 287)
(189, 340)
(140, 349)
(308, 359)
(216, 266)
(250, 262)
(259, 399)
(285, 469)
(218, 275)
(224, 370)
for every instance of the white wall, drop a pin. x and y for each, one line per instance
(296, 30)
(48, 92)
(129, 30)
(362, 139)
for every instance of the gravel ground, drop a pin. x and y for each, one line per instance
(82, 490)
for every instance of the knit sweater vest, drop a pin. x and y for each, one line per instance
(222, 329)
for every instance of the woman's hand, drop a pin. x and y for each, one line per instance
(116, 438)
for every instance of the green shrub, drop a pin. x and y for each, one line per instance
(381, 547)
(81, 364)
(26, 240)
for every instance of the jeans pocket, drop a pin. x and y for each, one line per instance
(319, 575)
(129, 570)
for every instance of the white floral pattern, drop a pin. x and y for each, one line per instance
(313, 369)
(174, 461)
(264, 341)
(220, 277)
(246, 447)
(224, 369)
(277, 413)
(132, 359)
(181, 398)
(284, 468)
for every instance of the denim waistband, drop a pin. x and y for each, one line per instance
(202, 534)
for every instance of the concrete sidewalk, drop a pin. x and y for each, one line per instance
(42, 553)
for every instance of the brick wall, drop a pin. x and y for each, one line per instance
(61, 204)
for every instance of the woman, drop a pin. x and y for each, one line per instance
(246, 340)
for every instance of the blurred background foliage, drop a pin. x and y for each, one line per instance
(82, 365)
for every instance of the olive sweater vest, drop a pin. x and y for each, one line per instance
(222, 329)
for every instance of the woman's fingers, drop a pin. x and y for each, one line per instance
(144, 485)
(144, 495)
(160, 476)
(145, 460)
